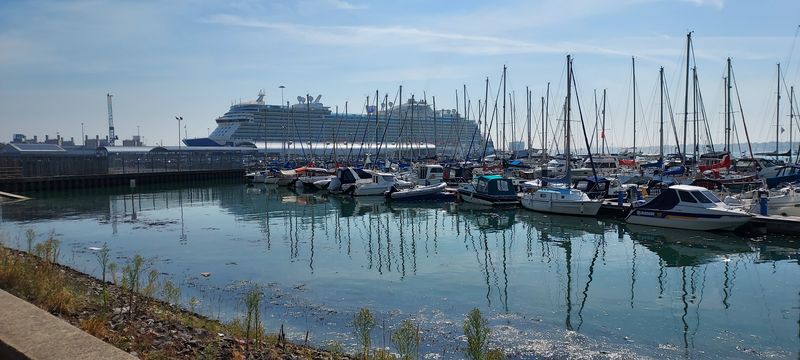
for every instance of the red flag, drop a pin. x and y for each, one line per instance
(602, 134)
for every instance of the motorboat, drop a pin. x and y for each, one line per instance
(346, 178)
(784, 174)
(564, 201)
(380, 184)
(423, 193)
(688, 207)
(310, 176)
(490, 190)
(784, 201)
(429, 174)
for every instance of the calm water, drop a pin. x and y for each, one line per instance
(551, 286)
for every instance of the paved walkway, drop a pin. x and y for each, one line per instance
(27, 332)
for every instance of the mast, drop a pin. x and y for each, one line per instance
(377, 122)
(504, 108)
(308, 121)
(543, 135)
(686, 97)
(402, 120)
(412, 128)
(778, 112)
(546, 114)
(791, 119)
(633, 70)
(661, 116)
(466, 118)
(603, 130)
(435, 133)
(486, 123)
(566, 121)
(694, 111)
(528, 104)
(728, 108)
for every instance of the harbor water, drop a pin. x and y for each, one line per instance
(551, 286)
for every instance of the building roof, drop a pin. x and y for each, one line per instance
(45, 149)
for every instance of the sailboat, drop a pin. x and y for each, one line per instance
(566, 201)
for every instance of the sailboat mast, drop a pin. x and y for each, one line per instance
(694, 114)
(791, 119)
(728, 108)
(686, 96)
(402, 121)
(546, 114)
(435, 134)
(504, 108)
(566, 120)
(528, 104)
(466, 117)
(633, 70)
(486, 124)
(661, 116)
(778, 112)
(543, 135)
(603, 130)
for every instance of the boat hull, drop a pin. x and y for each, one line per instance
(678, 220)
(487, 200)
(581, 208)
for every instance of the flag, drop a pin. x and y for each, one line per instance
(602, 134)
(782, 129)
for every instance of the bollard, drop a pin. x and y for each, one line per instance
(620, 197)
(763, 200)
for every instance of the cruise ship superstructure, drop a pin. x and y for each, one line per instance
(309, 127)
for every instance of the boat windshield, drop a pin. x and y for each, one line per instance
(711, 196)
(701, 198)
(686, 197)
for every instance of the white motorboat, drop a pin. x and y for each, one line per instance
(429, 174)
(309, 176)
(561, 201)
(380, 184)
(346, 178)
(422, 193)
(688, 207)
(784, 201)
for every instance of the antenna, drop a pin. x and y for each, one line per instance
(111, 136)
(301, 99)
(317, 99)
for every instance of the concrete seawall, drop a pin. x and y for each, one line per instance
(28, 332)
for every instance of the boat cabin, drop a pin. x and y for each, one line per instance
(430, 174)
(494, 185)
(685, 195)
(595, 187)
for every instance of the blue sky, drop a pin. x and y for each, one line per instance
(58, 59)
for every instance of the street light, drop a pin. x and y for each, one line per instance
(179, 118)
(281, 87)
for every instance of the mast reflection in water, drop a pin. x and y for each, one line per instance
(550, 285)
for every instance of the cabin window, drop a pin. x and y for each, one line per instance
(481, 186)
(502, 186)
(437, 170)
(711, 196)
(701, 198)
(686, 197)
(542, 196)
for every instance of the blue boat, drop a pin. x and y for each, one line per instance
(786, 174)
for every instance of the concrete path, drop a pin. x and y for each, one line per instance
(27, 332)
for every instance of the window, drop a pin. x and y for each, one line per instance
(686, 197)
(711, 196)
(502, 186)
(700, 197)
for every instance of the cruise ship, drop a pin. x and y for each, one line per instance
(308, 127)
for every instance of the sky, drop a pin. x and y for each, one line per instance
(193, 58)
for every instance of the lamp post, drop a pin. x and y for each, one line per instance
(281, 87)
(179, 118)
(83, 137)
